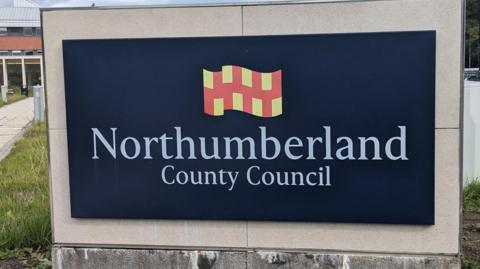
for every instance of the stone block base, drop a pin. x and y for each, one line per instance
(109, 258)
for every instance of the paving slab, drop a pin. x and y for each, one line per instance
(14, 119)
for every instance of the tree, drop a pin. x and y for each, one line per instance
(472, 34)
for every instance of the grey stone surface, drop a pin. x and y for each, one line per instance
(90, 258)
(105, 258)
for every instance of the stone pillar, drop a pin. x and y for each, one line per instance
(24, 74)
(5, 72)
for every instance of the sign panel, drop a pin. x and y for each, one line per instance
(332, 128)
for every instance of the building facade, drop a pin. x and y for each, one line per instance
(20, 44)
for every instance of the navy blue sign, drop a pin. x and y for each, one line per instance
(331, 128)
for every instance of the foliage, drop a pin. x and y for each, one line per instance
(471, 195)
(469, 264)
(472, 33)
(25, 258)
(24, 193)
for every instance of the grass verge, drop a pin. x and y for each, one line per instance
(25, 258)
(471, 224)
(471, 195)
(24, 200)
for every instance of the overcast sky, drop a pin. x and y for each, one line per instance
(69, 3)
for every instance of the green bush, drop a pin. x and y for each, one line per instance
(471, 195)
(469, 264)
(24, 193)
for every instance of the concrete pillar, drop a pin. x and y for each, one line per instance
(41, 72)
(5, 72)
(38, 104)
(24, 74)
(3, 92)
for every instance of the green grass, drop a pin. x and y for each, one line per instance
(24, 194)
(16, 96)
(469, 264)
(471, 202)
(471, 195)
(25, 258)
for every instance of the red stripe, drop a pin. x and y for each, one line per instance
(207, 101)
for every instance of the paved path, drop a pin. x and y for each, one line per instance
(13, 120)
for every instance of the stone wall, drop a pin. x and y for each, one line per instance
(90, 258)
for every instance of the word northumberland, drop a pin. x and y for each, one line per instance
(177, 146)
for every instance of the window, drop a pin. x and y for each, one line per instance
(27, 31)
(14, 30)
(3, 30)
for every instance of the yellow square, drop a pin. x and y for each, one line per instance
(218, 106)
(207, 79)
(238, 101)
(227, 74)
(277, 106)
(246, 77)
(266, 81)
(257, 107)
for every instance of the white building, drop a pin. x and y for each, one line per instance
(20, 44)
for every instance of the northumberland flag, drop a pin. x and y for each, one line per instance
(241, 89)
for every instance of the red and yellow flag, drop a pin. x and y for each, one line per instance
(241, 89)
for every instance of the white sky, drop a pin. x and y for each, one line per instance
(70, 3)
